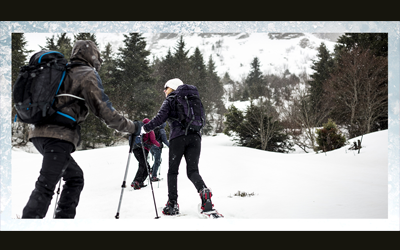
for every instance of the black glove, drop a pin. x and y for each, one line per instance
(138, 126)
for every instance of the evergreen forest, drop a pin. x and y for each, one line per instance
(347, 93)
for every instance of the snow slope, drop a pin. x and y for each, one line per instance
(339, 185)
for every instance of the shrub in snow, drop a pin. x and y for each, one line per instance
(329, 137)
(242, 194)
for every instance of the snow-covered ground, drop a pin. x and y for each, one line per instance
(297, 191)
(285, 187)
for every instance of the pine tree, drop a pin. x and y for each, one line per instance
(323, 66)
(180, 63)
(86, 36)
(19, 54)
(227, 79)
(107, 73)
(233, 122)
(50, 44)
(214, 82)
(169, 67)
(63, 45)
(254, 80)
(376, 42)
(198, 72)
(134, 76)
(258, 127)
(18, 59)
(215, 95)
(158, 73)
(208, 99)
(198, 78)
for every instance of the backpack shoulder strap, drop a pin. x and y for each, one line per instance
(75, 98)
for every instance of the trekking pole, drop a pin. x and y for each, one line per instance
(360, 144)
(159, 172)
(152, 162)
(148, 173)
(55, 205)
(126, 173)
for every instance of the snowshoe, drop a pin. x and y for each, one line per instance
(153, 179)
(171, 208)
(212, 214)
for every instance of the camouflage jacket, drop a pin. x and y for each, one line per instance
(83, 82)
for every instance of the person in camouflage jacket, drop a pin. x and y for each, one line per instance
(57, 142)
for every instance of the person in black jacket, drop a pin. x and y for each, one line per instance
(161, 137)
(149, 140)
(182, 143)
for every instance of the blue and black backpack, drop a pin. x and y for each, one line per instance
(37, 86)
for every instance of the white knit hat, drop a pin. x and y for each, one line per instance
(173, 83)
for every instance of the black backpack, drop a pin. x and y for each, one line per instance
(157, 134)
(36, 87)
(189, 108)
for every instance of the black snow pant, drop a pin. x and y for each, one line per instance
(190, 147)
(57, 163)
(141, 173)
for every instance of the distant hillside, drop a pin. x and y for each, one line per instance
(233, 52)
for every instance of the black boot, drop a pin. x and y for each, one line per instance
(135, 185)
(206, 204)
(171, 208)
